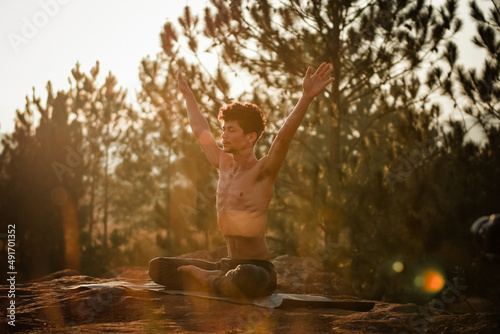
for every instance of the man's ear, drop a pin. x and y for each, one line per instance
(252, 136)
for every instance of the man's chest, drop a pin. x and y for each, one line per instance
(245, 190)
(237, 186)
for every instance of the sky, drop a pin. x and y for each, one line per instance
(42, 40)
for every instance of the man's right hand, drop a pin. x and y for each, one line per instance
(183, 86)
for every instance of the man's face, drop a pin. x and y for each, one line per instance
(233, 137)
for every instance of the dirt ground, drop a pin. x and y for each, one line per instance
(47, 306)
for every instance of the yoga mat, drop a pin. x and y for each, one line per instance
(276, 300)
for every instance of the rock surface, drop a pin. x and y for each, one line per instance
(45, 306)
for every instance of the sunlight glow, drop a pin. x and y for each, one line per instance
(430, 281)
(398, 266)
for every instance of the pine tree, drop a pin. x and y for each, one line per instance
(481, 89)
(185, 196)
(104, 115)
(56, 176)
(378, 50)
(41, 182)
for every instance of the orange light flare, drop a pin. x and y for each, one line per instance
(430, 281)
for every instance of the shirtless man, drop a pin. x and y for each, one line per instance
(245, 188)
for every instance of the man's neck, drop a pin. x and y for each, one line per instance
(244, 159)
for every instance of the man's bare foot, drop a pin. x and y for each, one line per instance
(203, 276)
(185, 269)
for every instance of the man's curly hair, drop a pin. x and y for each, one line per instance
(249, 116)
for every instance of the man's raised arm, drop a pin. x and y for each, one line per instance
(199, 124)
(312, 85)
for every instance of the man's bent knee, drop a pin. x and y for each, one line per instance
(253, 280)
(246, 280)
(164, 271)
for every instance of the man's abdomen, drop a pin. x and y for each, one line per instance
(247, 248)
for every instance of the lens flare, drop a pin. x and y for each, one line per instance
(430, 281)
(398, 266)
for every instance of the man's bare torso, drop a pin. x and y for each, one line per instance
(242, 203)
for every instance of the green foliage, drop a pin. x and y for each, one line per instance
(365, 168)
(374, 172)
(184, 182)
(56, 176)
(34, 192)
(481, 89)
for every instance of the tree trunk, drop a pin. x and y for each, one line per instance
(106, 184)
(333, 219)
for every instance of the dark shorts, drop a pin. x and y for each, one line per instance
(242, 278)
